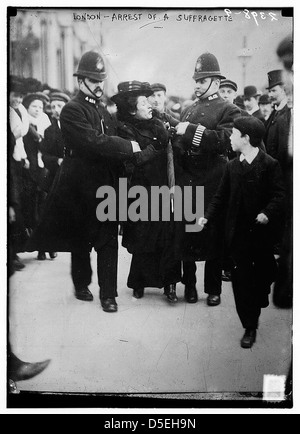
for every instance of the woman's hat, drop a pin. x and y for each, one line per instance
(27, 100)
(132, 88)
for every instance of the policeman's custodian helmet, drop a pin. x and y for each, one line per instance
(91, 66)
(207, 65)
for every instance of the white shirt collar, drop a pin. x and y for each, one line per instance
(281, 105)
(251, 156)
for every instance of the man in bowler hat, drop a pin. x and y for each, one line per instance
(251, 97)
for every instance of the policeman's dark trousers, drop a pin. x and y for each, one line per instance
(107, 268)
(252, 276)
(212, 275)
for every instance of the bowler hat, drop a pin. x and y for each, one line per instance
(250, 91)
(59, 96)
(275, 78)
(27, 100)
(132, 88)
(156, 87)
(229, 83)
(264, 99)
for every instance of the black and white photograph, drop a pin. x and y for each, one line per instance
(150, 209)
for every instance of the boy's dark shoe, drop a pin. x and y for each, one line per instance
(109, 305)
(83, 294)
(213, 300)
(249, 338)
(190, 294)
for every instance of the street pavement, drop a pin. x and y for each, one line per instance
(149, 346)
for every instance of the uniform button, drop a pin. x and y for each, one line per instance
(202, 114)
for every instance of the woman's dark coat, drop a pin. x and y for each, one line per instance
(158, 239)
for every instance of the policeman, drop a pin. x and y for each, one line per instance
(205, 128)
(93, 156)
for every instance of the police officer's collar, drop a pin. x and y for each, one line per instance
(91, 100)
(213, 96)
(208, 98)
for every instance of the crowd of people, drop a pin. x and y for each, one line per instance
(235, 145)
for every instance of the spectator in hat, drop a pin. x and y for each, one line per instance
(158, 101)
(265, 106)
(35, 179)
(251, 97)
(151, 243)
(252, 195)
(228, 90)
(278, 124)
(53, 146)
(18, 128)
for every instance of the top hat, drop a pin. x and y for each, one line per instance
(229, 83)
(275, 78)
(132, 88)
(156, 87)
(59, 96)
(264, 99)
(250, 91)
(27, 100)
(207, 65)
(91, 66)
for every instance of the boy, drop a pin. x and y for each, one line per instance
(252, 195)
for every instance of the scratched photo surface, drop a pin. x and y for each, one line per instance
(148, 347)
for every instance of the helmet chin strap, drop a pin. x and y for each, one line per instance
(211, 82)
(90, 90)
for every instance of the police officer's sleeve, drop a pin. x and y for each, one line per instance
(80, 135)
(214, 140)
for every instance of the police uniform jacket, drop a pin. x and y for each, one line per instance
(206, 145)
(93, 157)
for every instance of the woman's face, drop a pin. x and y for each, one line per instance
(36, 108)
(143, 109)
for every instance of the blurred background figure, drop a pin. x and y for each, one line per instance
(34, 179)
(158, 101)
(18, 128)
(52, 146)
(251, 97)
(265, 106)
(228, 90)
